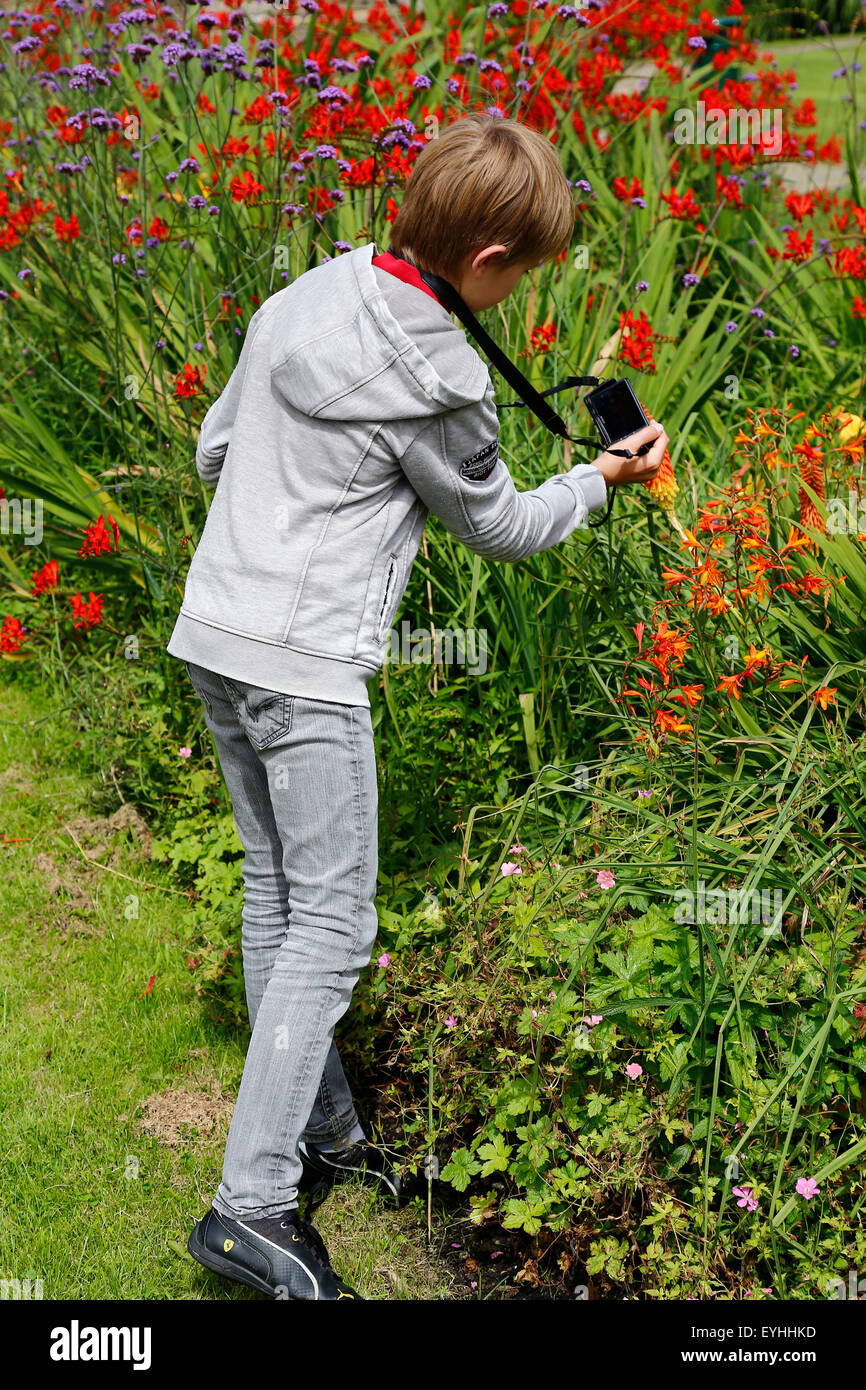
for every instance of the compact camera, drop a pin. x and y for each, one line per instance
(616, 412)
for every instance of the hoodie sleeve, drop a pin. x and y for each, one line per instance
(454, 466)
(215, 431)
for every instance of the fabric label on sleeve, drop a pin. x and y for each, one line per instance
(479, 466)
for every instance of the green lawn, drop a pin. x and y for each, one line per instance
(815, 61)
(95, 1206)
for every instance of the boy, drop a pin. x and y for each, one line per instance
(357, 406)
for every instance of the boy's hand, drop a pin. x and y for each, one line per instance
(635, 470)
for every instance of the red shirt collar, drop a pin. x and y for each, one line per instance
(404, 271)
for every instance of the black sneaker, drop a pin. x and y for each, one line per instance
(283, 1256)
(322, 1170)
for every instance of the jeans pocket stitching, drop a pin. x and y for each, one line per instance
(284, 724)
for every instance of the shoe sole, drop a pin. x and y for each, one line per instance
(217, 1265)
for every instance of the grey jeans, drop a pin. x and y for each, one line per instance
(302, 779)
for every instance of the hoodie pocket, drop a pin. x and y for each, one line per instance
(386, 598)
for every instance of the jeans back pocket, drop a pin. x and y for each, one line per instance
(264, 715)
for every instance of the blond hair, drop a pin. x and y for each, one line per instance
(482, 180)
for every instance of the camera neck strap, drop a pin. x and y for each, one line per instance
(533, 399)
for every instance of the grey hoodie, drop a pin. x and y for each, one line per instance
(356, 407)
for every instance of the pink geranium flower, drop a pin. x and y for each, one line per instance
(605, 879)
(508, 869)
(807, 1187)
(633, 1071)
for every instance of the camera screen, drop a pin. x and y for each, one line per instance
(620, 412)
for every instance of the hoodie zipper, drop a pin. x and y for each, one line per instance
(386, 597)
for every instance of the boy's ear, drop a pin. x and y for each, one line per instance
(492, 256)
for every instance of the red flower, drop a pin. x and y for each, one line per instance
(625, 194)
(728, 190)
(86, 612)
(159, 229)
(67, 231)
(46, 578)
(805, 113)
(246, 188)
(681, 205)
(799, 205)
(542, 338)
(11, 635)
(797, 248)
(636, 345)
(97, 539)
(858, 307)
(850, 260)
(190, 381)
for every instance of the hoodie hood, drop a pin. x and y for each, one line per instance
(350, 342)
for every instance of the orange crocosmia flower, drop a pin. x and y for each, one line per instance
(824, 695)
(759, 589)
(691, 694)
(762, 429)
(673, 577)
(672, 640)
(672, 722)
(717, 603)
(796, 541)
(708, 573)
(756, 658)
(809, 452)
(813, 583)
(773, 459)
(760, 564)
(730, 685)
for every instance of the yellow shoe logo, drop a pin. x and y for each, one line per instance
(295, 1238)
(227, 1245)
(345, 1295)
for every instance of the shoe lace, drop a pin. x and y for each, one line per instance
(309, 1233)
